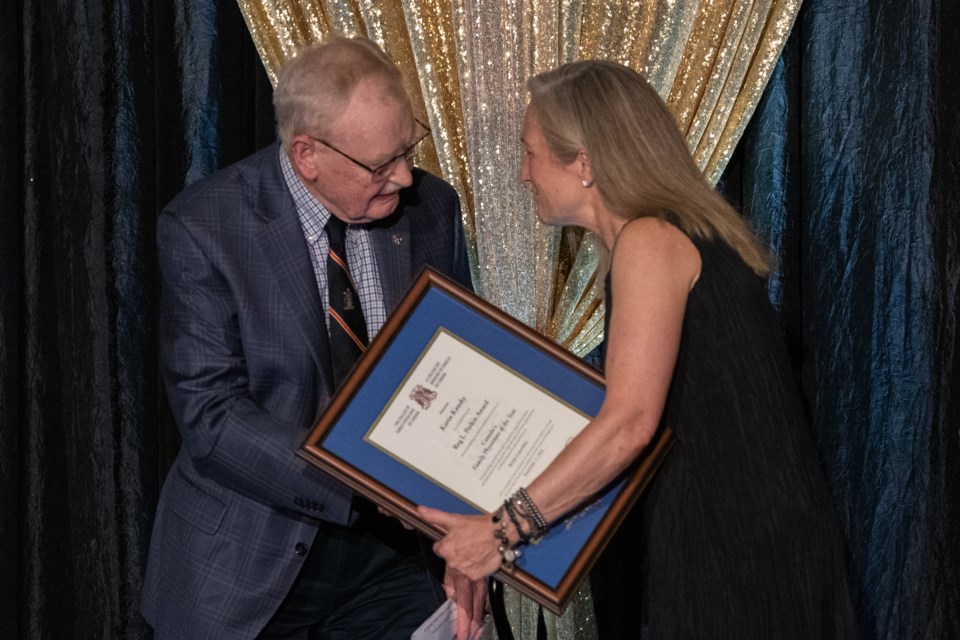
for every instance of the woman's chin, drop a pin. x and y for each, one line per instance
(543, 217)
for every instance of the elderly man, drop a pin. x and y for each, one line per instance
(275, 272)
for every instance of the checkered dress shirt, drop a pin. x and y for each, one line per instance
(360, 256)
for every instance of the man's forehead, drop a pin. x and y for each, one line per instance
(376, 120)
(374, 89)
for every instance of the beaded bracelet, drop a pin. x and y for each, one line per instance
(528, 509)
(508, 555)
(522, 536)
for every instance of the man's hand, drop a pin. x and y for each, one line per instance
(403, 522)
(470, 598)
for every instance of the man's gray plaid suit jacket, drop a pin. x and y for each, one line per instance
(244, 359)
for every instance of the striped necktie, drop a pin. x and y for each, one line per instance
(348, 330)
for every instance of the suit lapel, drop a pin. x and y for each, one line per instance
(391, 244)
(288, 260)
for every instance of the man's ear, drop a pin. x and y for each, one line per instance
(303, 155)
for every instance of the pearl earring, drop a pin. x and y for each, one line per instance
(585, 183)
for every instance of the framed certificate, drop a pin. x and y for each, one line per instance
(455, 405)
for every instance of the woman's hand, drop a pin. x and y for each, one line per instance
(469, 546)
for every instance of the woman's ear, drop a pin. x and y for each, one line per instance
(586, 174)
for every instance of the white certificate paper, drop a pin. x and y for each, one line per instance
(473, 425)
(441, 625)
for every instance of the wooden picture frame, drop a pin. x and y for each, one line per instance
(453, 401)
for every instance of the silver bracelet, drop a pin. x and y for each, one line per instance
(532, 514)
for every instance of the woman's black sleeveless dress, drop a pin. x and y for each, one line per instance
(736, 536)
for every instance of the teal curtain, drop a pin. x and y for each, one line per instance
(850, 169)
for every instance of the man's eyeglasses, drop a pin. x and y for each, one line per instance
(380, 173)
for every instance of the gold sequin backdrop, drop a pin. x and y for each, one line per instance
(467, 61)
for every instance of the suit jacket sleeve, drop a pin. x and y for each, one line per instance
(242, 378)
(241, 392)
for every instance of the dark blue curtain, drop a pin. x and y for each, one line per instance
(850, 168)
(11, 176)
(109, 107)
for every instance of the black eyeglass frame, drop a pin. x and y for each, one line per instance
(380, 172)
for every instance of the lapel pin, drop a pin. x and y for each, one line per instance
(397, 238)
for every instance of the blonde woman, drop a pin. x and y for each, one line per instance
(736, 536)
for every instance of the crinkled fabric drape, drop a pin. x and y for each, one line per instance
(86, 383)
(107, 108)
(11, 177)
(850, 167)
(870, 276)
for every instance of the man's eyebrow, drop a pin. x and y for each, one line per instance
(401, 147)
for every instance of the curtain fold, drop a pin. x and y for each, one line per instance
(710, 61)
(196, 30)
(11, 178)
(866, 257)
(938, 598)
(87, 376)
(107, 109)
(849, 169)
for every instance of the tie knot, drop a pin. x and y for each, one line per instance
(336, 230)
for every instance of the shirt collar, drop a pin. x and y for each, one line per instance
(311, 211)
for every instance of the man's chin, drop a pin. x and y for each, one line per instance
(382, 206)
(378, 208)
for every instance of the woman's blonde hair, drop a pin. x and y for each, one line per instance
(639, 161)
